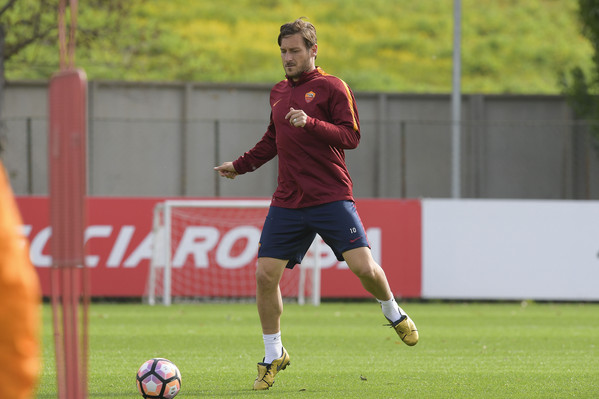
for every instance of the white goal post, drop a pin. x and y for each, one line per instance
(205, 249)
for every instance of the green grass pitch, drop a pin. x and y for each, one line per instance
(341, 350)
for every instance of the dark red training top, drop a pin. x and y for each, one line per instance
(312, 169)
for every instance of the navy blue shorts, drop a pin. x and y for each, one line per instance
(288, 233)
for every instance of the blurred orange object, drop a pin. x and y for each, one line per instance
(19, 303)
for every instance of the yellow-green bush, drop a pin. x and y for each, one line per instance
(375, 45)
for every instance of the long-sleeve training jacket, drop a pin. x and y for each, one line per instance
(312, 169)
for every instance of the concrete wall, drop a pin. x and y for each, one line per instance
(162, 139)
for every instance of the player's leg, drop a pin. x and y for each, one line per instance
(339, 224)
(371, 275)
(373, 279)
(270, 306)
(284, 236)
(268, 293)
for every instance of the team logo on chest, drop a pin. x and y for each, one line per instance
(309, 96)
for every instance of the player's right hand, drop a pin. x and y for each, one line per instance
(226, 170)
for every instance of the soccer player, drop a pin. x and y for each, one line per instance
(19, 303)
(313, 119)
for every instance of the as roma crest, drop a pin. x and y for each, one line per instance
(309, 96)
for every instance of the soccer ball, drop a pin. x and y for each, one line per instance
(158, 378)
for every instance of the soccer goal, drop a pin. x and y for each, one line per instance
(207, 249)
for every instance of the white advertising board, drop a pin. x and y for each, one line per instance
(510, 249)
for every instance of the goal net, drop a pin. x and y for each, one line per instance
(207, 249)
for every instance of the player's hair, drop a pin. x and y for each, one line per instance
(307, 30)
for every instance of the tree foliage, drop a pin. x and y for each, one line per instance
(580, 87)
(375, 45)
(30, 30)
(29, 34)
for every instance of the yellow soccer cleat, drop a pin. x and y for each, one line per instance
(267, 372)
(406, 329)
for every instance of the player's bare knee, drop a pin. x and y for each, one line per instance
(265, 280)
(366, 271)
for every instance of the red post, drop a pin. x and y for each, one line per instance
(68, 186)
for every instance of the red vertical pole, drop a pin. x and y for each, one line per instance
(56, 318)
(68, 186)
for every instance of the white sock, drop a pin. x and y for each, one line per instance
(273, 347)
(391, 309)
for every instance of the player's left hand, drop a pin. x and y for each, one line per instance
(296, 117)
